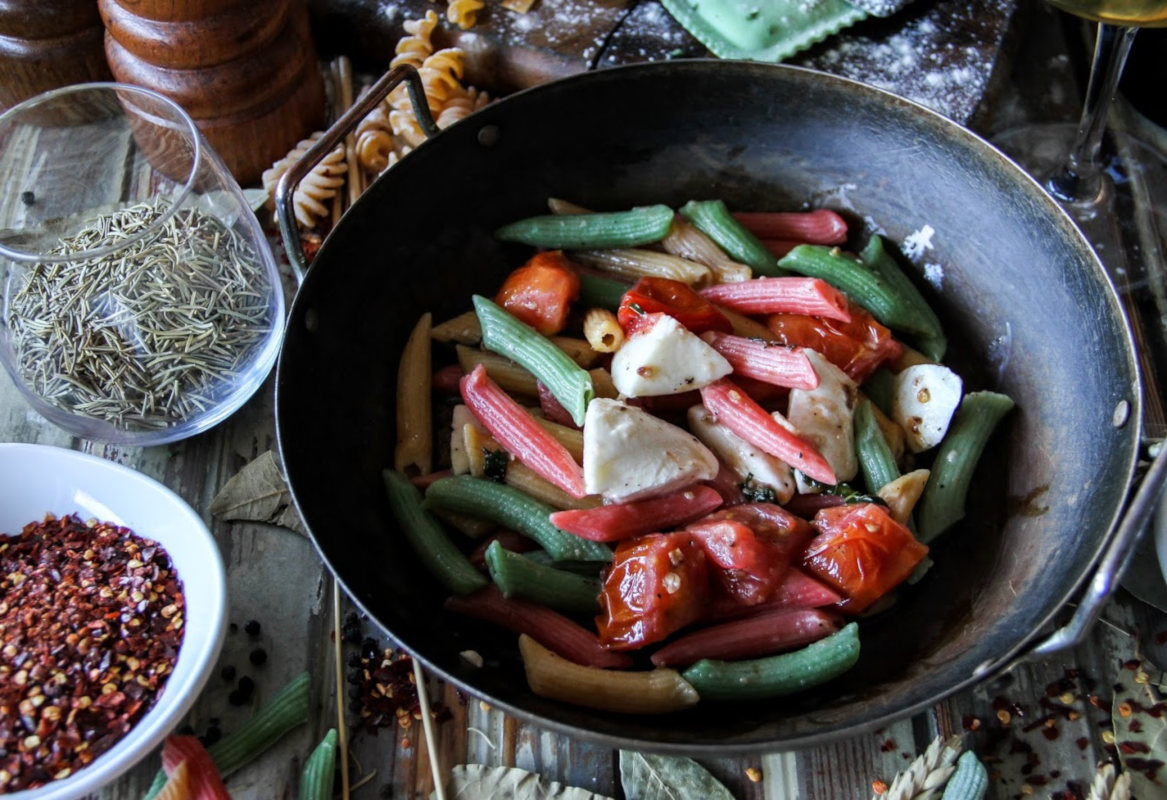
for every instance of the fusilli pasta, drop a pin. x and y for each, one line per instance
(464, 13)
(319, 185)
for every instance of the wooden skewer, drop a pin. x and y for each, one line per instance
(427, 724)
(341, 728)
(356, 182)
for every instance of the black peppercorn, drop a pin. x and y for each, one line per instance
(258, 656)
(252, 627)
(227, 673)
(246, 685)
(28, 198)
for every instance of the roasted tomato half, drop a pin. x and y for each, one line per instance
(657, 584)
(750, 547)
(857, 347)
(541, 292)
(666, 296)
(862, 552)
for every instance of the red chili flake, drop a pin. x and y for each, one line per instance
(1082, 742)
(1133, 664)
(1130, 748)
(888, 746)
(92, 619)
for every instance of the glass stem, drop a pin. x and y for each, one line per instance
(1079, 179)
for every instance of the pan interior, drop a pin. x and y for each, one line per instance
(1027, 308)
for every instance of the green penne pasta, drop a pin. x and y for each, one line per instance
(942, 503)
(637, 226)
(596, 291)
(520, 577)
(713, 219)
(285, 711)
(932, 342)
(319, 771)
(506, 335)
(512, 509)
(969, 781)
(428, 539)
(773, 676)
(875, 457)
(861, 284)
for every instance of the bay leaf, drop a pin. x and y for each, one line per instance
(1140, 727)
(480, 782)
(645, 776)
(258, 493)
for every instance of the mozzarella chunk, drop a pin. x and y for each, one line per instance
(629, 453)
(924, 398)
(745, 460)
(823, 416)
(665, 359)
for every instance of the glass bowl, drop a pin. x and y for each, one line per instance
(141, 302)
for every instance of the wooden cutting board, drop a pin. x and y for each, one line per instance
(945, 54)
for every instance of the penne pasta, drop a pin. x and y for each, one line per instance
(463, 329)
(506, 373)
(578, 350)
(630, 262)
(602, 330)
(414, 453)
(658, 691)
(687, 241)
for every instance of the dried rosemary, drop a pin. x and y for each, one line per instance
(151, 335)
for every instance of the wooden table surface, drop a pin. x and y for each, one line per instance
(1042, 728)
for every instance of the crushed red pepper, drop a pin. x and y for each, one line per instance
(91, 617)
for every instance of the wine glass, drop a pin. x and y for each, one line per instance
(1095, 184)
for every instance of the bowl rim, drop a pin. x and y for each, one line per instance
(196, 657)
(182, 121)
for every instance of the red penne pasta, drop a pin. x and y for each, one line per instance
(205, 782)
(178, 785)
(447, 379)
(737, 411)
(821, 226)
(422, 481)
(797, 590)
(780, 247)
(624, 520)
(792, 295)
(757, 635)
(552, 408)
(520, 434)
(764, 361)
(549, 628)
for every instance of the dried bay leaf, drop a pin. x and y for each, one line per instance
(1140, 727)
(645, 776)
(480, 782)
(258, 493)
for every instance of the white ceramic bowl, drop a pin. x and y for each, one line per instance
(35, 480)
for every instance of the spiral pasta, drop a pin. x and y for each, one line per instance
(461, 106)
(318, 186)
(464, 13)
(417, 45)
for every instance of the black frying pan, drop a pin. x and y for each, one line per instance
(1028, 309)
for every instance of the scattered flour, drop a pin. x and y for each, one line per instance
(917, 242)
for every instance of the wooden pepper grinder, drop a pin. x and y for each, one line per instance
(247, 73)
(47, 45)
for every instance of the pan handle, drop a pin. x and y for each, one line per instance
(285, 212)
(1114, 560)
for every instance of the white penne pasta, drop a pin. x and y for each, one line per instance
(506, 373)
(570, 438)
(518, 475)
(560, 206)
(657, 691)
(686, 241)
(602, 383)
(602, 330)
(892, 432)
(745, 327)
(902, 494)
(414, 454)
(634, 262)
(463, 329)
(578, 350)
(459, 418)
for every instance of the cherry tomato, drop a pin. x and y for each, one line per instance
(862, 552)
(857, 347)
(541, 291)
(751, 547)
(656, 584)
(666, 296)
